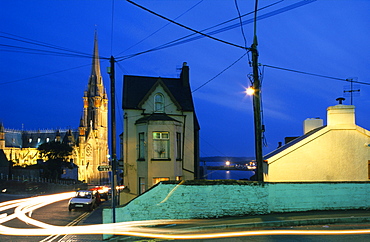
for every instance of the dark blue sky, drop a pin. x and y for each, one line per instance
(329, 38)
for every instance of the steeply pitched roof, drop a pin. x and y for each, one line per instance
(293, 142)
(136, 89)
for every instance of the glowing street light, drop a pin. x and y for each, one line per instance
(250, 91)
(227, 163)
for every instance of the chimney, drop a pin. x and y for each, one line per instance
(311, 124)
(185, 74)
(341, 114)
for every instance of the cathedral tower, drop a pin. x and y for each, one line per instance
(93, 130)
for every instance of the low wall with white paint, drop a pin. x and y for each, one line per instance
(218, 199)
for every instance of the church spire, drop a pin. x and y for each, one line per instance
(95, 100)
(95, 70)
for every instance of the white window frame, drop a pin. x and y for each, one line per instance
(161, 145)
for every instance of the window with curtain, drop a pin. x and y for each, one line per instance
(161, 145)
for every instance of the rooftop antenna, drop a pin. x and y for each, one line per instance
(351, 89)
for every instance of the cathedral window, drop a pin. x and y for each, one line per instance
(158, 103)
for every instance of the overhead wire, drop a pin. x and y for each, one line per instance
(27, 50)
(186, 27)
(185, 39)
(39, 43)
(241, 57)
(150, 35)
(48, 74)
(240, 21)
(317, 75)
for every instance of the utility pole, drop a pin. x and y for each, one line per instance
(113, 137)
(257, 102)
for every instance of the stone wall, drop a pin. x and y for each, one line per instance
(212, 199)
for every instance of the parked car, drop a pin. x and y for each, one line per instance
(85, 200)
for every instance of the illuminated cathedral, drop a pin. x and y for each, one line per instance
(89, 141)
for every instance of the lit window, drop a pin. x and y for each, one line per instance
(38, 140)
(159, 179)
(30, 140)
(159, 103)
(161, 145)
(47, 140)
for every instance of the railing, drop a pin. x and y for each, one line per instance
(35, 179)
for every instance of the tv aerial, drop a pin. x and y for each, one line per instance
(352, 90)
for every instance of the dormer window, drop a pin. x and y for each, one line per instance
(158, 103)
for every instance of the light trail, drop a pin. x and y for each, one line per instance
(22, 207)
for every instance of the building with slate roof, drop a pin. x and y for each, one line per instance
(338, 151)
(89, 141)
(161, 132)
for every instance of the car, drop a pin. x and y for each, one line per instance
(102, 190)
(84, 199)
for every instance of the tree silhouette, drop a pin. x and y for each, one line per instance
(57, 154)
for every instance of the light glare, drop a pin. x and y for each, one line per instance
(250, 91)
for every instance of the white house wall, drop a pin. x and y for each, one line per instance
(327, 155)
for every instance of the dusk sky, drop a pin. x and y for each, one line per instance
(46, 49)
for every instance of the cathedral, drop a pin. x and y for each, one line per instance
(89, 141)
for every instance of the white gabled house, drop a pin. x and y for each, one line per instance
(339, 151)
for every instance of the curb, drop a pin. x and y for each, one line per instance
(294, 222)
(286, 223)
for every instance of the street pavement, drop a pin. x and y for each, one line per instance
(248, 222)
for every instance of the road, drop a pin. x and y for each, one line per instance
(46, 218)
(54, 214)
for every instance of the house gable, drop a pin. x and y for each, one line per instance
(171, 105)
(328, 153)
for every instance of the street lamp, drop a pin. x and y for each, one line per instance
(250, 91)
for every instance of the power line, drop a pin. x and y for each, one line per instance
(183, 26)
(161, 27)
(219, 73)
(39, 51)
(48, 74)
(318, 75)
(186, 39)
(240, 22)
(39, 43)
